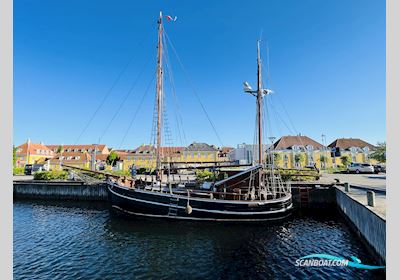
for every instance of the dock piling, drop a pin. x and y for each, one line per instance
(346, 187)
(371, 198)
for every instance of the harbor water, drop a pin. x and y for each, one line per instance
(70, 240)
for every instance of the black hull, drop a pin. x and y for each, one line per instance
(163, 205)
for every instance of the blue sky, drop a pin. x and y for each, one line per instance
(326, 60)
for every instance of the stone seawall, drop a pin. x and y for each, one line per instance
(313, 196)
(63, 190)
(368, 224)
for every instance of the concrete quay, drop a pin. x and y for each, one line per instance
(59, 190)
(368, 221)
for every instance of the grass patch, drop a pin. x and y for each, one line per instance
(51, 175)
(18, 171)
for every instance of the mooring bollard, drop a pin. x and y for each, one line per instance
(371, 198)
(346, 187)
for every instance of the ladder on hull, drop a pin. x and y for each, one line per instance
(304, 194)
(173, 206)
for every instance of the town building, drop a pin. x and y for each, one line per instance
(200, 152)
(223, 153)
(358, 150)
(75, 159)
(299, 151)
(245, 153)
(144, 156)
(31, 153)
(90, 148)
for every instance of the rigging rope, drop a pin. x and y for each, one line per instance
(124, 99)
(109, 92)
(193, 89)
(178, 115)
(283, 106)
(137, 110)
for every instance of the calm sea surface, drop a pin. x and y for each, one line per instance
(57, 240)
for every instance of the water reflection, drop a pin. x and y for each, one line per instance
(88, 241)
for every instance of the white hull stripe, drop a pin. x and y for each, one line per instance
(208, 199)
(204, 210)
(194, 218)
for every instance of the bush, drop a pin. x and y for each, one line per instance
(18, 171)
(346, 160)
(51, 175)
(205, 175)
(290, 175)
(120, 172)
(141, 170)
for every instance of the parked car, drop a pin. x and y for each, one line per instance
(379, 168)
(360, 168)
(32, 168)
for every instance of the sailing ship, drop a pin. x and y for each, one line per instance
(253, 194)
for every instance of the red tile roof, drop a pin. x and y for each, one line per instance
(346, 143)
(71, 157)
(287, 142)
(34, 149)
(79, 147)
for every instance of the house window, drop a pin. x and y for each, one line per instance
(309, 148)
(69, 158)
(76, 150)
(77, 157)
(296, 148)
(366, 149)
(61, 157)
(310, 159)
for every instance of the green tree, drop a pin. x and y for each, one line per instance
(346, 160)
(298, 158)
(277, 158)
(205, 175)
(323, 159)
(380, 153)
(14, 155)
(60, 149)
(112, 158)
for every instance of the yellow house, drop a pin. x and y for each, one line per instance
(145, 155)
(141, 157)
(200, 152)
(31, 153)
(299, 151)
(76, 159)
(356, 149)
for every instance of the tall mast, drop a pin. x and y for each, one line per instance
(259, 105)
(159, 96)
